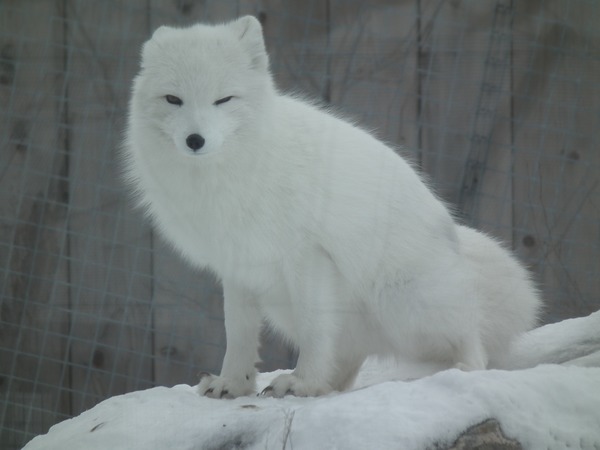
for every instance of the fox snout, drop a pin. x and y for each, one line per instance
(194, 142)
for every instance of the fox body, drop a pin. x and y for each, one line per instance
(314, 226)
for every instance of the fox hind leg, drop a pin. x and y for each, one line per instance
(471, 355)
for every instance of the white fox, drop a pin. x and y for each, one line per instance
(314, 226)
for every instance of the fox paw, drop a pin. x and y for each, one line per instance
(222, 387)
(290, 384)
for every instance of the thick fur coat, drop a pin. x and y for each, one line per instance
(314, 226)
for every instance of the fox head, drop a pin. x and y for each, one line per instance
(199, 86)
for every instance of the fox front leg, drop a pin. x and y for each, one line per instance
(317, 293)
(242, 327)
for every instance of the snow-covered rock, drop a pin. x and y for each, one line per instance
(553, 406)
(549, 407)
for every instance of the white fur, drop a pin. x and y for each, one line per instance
(311, 223)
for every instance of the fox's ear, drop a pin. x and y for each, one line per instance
(249, 31)
(152, 42)
(160, 31)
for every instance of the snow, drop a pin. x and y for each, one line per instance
(551, 406)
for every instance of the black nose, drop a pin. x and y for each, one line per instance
(195, 142)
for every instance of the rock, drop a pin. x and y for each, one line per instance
(487, 435)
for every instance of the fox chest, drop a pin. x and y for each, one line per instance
(228, 238)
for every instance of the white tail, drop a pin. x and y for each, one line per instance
(570, 342)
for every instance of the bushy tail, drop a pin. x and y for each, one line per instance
(570, 342)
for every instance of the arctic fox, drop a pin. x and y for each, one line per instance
(314, 226)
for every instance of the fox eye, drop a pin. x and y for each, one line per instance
(223, 100)
(174, 100)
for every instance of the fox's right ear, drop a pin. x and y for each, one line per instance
(250, 34)
(160, 31)
(152, 42)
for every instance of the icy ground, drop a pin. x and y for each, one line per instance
(552, 406)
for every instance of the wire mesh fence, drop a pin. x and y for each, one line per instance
(497, 102)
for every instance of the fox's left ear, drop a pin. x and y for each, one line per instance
(249, 31)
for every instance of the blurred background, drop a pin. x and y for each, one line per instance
(497, 101)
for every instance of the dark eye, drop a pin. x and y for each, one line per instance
(223, 100)
(174, 100)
